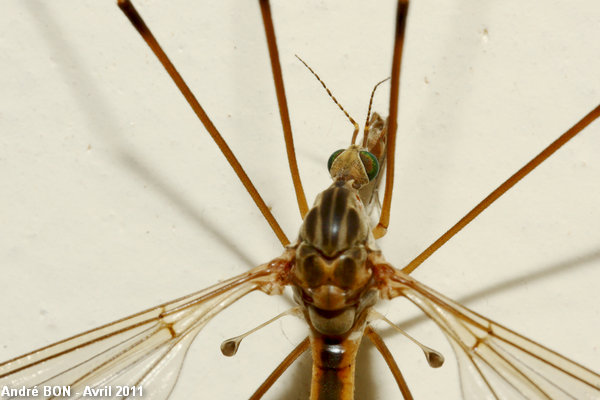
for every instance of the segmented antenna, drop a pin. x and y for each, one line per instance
(366, 131)
(356, 127)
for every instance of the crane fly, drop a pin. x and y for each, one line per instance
(44, 296)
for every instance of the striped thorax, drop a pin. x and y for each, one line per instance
(331, 270)
(332, 274)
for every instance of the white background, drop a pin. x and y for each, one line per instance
(113, 197)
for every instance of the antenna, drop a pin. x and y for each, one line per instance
(366, 131)
(356, 128)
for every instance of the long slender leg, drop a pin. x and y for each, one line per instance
(265, 9)
(384, 219)
(271, 379)
(389, 359)
(503, 188)
(139, 24)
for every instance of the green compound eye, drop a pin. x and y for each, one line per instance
(332, 158)
(370, 163)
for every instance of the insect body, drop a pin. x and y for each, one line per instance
(71, 196)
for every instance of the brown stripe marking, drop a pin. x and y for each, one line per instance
(333, 368)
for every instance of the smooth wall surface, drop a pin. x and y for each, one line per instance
(114, 199)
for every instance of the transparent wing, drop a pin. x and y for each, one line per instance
(146, 349)
(495, 362)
